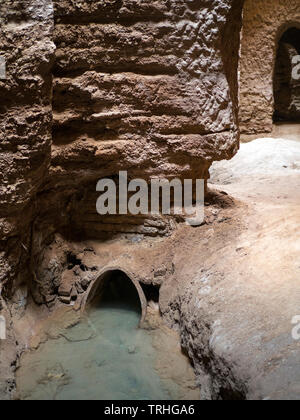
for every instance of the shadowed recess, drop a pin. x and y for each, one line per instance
(286, 79)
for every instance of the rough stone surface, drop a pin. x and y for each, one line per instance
(144, 86)
(264, 22)
(230, 287)
(151, 87)
(25, 125)
(66, 285)
(25, 142)
(150, 97)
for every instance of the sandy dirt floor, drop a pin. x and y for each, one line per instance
(265, 175)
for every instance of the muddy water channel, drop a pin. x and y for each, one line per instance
(107, 356)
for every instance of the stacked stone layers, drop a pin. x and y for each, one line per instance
(147, 87)
(25, 125)
(26, 46)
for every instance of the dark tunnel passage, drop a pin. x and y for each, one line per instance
(287, 78)
(116, 291)
(105, 355)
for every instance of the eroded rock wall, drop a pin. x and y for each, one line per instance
(264, 22)
(25, 125)
(147, 87)
(25, 143)
(144, 86)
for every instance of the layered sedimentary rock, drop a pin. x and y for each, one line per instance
(142, 89)
(144, 86)
(150, 88)
(264, 22)
(147, 87)
(25, 143)
(25, 126)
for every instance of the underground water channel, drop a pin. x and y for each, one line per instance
(108, 355)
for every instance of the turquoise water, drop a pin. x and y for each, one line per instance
(106, 356)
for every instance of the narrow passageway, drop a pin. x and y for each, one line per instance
(116, 292)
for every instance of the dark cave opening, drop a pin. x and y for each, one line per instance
(115, 290)
(151, 292)
(287, 78)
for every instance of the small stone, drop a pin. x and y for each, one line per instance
(131, 349)
(74, 293)
(79, 288)
(66, 286)
(65, 299)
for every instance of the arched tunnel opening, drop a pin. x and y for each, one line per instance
(117, 290)
(287, 78)
(105, 355)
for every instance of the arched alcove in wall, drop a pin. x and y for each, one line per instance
(287, 77)
(121, 285)
(265, 24)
